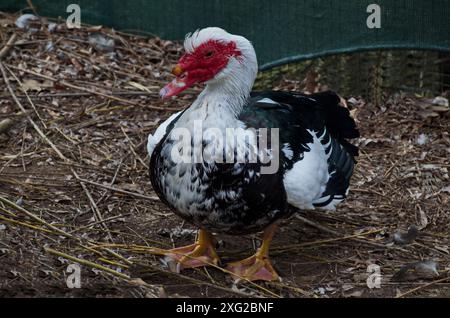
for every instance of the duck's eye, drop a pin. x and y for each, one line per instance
(209, 54)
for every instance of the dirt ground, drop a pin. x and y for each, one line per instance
(75, 112)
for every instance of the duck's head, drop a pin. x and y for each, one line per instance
(214, 56)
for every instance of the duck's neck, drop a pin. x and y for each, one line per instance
(224, 98)
(228, 97)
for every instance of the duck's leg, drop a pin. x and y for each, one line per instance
(201, 253)
(256, 267)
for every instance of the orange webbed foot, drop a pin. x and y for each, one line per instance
(253, 268)
(201, 253)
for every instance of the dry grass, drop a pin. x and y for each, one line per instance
(74, 183)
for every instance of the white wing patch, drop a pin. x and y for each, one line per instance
(267, 101)
(159, 134)
(287, 150)
(307, 179)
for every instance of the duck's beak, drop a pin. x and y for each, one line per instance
(179, 84)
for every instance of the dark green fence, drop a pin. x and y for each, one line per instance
(282, 31)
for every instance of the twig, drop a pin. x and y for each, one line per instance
(353, 238)
(8, 45)
(295, 246)
(317, 226)
(94, 206)
(31, 226)
(32, 7)
(80, 94)
(423, 286)
(85, 262)
(64, 83)
(112, 181)
(28, 97)
(132, 146)
(137, 195)
(162, 252)
(112, 218)
(34, 217)
(58, 152)
(38, 130)
(196, 281)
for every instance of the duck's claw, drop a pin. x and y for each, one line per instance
(256, 267)
(253, 268)
(201, 253)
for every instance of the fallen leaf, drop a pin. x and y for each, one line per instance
(33, 85)
(24, 20)
(5, 125)
(422, 139)
(101, 42)
(403, 238)
(77, 64)
(423, 219)
(356, 293)
(441, 101)
(418, 270)
(427, 113)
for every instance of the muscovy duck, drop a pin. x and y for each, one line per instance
(305, 163)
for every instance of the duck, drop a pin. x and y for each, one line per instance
(237, 161)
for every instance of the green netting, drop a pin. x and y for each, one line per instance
(282, 31)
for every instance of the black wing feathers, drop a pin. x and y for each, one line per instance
(321, 113)
(338, 120)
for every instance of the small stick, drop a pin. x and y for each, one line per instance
(202, 282)
(34, 217)
(317, 226)
(327, 230)
(137, 195)
(58, 152)
(94, 206)
(112, 218)
(85, 262)
(112, 181)
(295, 246)
(163, 252)
(79, 94)
(132, 146)
(64, 83)
(31, 226)
(32, 7)
(39, 131)
(423, 286)
(28, 97)
(8, 45)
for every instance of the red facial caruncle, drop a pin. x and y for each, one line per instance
(200, 66)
